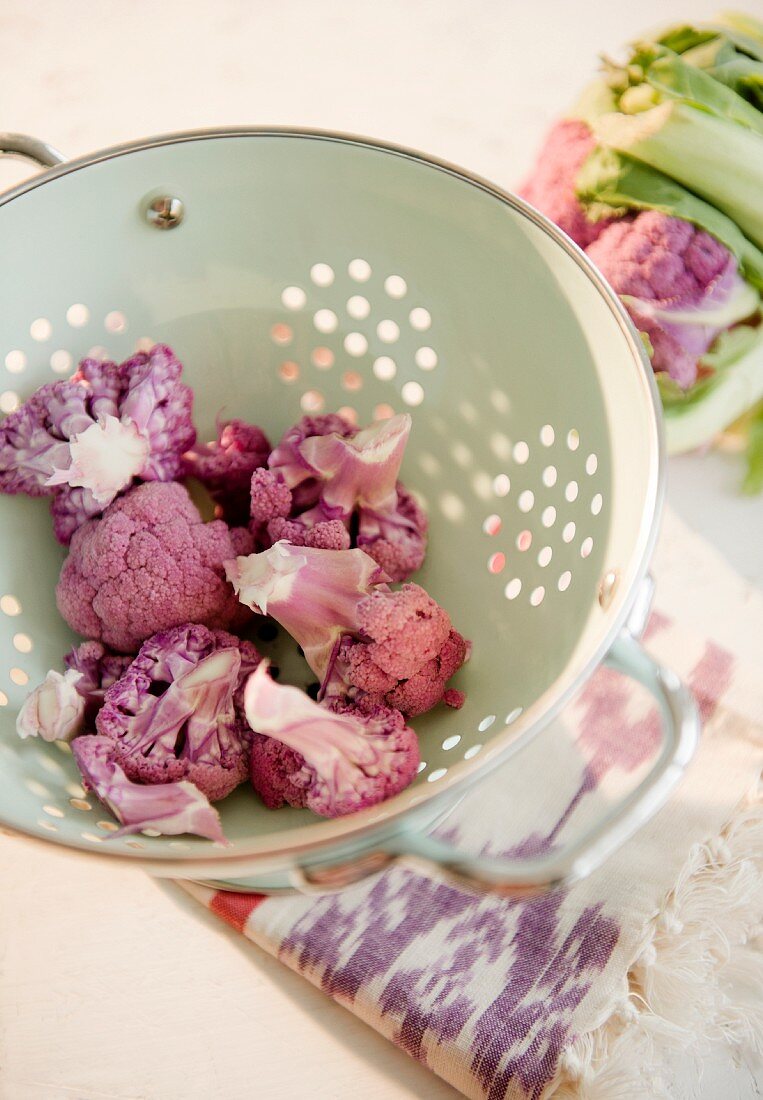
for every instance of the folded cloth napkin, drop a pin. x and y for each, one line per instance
(571, 993)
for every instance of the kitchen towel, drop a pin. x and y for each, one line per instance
(577, 993)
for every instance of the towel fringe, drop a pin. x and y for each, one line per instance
(696, 979)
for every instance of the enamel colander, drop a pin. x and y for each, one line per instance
(296, 272)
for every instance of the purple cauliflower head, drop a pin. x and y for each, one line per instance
(333, 759)
(85, 440)
(168, 808)
(225, 466)
(176, 712)
(148, 564)
(681, 286)
(672, 278)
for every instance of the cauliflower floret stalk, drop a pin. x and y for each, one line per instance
(225, 467)
(312, 593)
(176, 712)
(148, 564)
(64, 705)
(360, 638)
(328, 489)
(84, 440)
(169, 808)
(54, 710)
(333, 760)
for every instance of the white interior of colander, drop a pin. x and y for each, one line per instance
(313, 274)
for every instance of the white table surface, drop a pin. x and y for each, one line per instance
(113, 985)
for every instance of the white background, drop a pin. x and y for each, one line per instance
(114, 985)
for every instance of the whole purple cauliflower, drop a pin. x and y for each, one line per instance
(334, 759)
(176, 713)
(148, 564)
(225, 466)
(681, 286)
(665, 269)
(84, 440)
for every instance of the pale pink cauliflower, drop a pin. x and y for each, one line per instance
(551, 184)
(148, 564)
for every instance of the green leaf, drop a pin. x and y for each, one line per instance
(685, 37)
(729, 348)
(718, 160)
(753, 481)
(719, 399)
(744, 75)
(744, 31)
(610, 183)
(673, 78)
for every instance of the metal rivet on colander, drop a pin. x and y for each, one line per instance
(608, 587)
(165, 212)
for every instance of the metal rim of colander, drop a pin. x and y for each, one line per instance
(383, 822)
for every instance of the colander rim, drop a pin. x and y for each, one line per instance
(324, 834)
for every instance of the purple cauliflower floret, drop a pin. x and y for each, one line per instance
(168, 808)
(70, 509)
(176, 712)
(225, 466)
(318, 484)
(406, 652)
(148, 564)
(397, 540)
(325, 535)
(333, 759)
(99, 668)
(665, 270)
(288, 462)
(359, 637)
(85, 440)
(160, 406)
(270, 496)
(551, 184)
(270, 507)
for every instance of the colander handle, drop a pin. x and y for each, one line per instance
(514, 877)
(23, 147)
(680, 736)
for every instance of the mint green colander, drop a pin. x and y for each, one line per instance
(298, 272)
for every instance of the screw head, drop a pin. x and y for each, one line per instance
(607, 588)
(165, 212)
